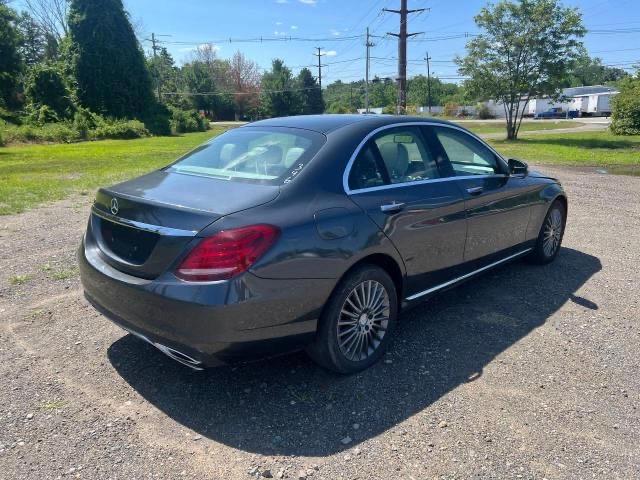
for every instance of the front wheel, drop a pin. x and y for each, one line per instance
(551, 234)
(356, 325)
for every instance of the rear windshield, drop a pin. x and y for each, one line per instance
(267, 155)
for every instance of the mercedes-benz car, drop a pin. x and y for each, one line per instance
(310, 232)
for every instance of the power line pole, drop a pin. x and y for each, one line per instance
(319, 54)
(428, 59)
(402, 53)
(155, 46)
(366, 82)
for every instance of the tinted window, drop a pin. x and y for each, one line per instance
(405, 155)
(260, 155)
(466, 154)
(364, 171)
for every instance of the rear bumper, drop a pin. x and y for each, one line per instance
(246, 317)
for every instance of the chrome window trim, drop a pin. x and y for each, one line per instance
(347, 170)
(165, 231)
(470, 274)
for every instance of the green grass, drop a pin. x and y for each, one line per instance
(31, 175)
(481, 127)
(597, 149)
(19, 279)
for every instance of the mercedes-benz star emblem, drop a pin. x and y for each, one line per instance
(114, 206)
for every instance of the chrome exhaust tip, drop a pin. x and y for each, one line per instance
(172, 353)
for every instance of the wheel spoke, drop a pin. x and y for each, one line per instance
(363, 320)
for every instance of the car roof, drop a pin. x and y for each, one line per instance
(330, 122)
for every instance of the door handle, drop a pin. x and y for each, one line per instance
(392, 207)
(475, 190)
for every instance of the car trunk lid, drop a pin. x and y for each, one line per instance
(142, 226)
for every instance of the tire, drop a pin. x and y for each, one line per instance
(358, 321)
(551, 234)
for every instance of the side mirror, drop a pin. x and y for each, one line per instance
(517, 167)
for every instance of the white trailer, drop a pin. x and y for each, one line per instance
(599, 104)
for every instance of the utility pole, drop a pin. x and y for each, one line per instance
(428, 59)
(402, 53)
(366, 82)
(319, 54)
(155, 46)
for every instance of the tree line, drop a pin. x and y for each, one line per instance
(79, 63)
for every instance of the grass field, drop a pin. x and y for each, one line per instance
(34, 174)
(481, 127)
(598, 149)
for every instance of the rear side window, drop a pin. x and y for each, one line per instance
(366, 171)
(268, 155)
(466, 154)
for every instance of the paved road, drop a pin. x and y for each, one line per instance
(527, 372)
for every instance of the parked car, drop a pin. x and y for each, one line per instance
(309, 232)
(557, 113)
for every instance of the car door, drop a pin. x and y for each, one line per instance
(497, 203)
(396, 180)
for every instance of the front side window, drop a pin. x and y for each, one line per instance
(259, 155)
(405, 155)
(467, 155)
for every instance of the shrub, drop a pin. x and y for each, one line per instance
(1, 139)
(39, 115)
(156, 120)
(484, 112)
(84, 121)
(450, 109)
(183, 121)
(118, 129)
(45, 86)
(61, 132)
(626, 108)
(389, 110)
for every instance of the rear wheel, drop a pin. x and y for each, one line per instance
(550, 236)
(356, 326)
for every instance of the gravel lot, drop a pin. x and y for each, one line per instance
(526, 372)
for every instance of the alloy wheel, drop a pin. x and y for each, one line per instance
(363, 321)
(552, 232)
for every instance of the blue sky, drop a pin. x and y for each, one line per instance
(198, 21)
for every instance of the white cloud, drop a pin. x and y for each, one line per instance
(308, 2)
(282, 1)
(294, 27)
(329, 53)
(335, 33)
(278, 23)
(279, 33)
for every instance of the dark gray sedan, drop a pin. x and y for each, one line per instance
(309, 232)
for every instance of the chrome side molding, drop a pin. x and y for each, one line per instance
(470, 274)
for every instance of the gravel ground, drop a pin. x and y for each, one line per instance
(526, 372)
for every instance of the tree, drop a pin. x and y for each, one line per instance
(244, 78)
(11, 64)
(108, 63)
(626, 108)
(526, 49)
(310, 93)
(279, 94)
(51, 16)
(46, 86)
(591, 71)
(34, 42)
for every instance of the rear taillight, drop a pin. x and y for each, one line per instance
(227, 253)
